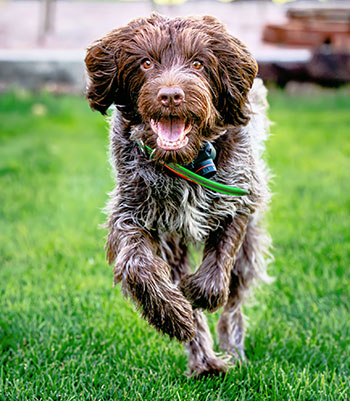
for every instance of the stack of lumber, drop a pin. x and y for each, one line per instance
(312, 28)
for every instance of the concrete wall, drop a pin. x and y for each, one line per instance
(45, 68)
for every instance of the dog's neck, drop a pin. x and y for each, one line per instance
(192, 176)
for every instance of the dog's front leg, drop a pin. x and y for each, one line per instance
(146, 278)
(208, 287)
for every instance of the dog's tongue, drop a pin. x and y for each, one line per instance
(171, 129)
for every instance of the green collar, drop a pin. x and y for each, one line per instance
(196, 178)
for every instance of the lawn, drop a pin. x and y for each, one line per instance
(66, 334)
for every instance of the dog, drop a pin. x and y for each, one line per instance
(177, 85)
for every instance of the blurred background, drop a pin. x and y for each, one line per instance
(42, 42)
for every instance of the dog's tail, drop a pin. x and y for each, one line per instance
(259, 125)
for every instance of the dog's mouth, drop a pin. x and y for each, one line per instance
(171, 132)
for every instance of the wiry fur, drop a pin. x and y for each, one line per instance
(155, 215)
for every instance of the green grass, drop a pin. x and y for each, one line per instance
(66, 334)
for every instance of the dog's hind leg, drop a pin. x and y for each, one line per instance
(250, 264)
(202, 358)
(231, 324)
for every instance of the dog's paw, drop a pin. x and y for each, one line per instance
(205, 294)
(209, 367)
(173, 317)
(165, 308)
(235, 355)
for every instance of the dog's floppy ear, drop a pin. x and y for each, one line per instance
(102, 72)
(237, 69)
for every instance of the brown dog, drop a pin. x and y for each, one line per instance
(178, 84)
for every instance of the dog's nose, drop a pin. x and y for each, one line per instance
(168, 96)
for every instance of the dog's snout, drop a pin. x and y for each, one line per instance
(171, 96)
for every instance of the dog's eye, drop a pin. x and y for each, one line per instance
(197, 65)
(147, 64)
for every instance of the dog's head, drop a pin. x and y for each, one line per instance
(180, 79)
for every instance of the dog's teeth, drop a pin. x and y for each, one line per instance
(172, 145)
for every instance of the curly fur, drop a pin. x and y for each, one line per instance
(154, 215)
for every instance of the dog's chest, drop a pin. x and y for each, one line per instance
(185, 209)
